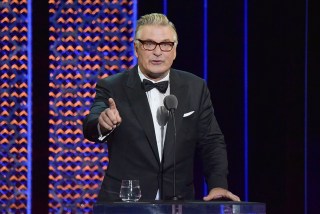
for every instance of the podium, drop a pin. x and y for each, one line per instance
(180, 207)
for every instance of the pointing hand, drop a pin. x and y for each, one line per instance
(110, 117)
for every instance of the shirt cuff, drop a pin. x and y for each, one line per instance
(102, 137)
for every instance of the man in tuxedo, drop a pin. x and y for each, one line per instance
(127, 114)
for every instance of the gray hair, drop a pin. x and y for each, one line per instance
(155, 19)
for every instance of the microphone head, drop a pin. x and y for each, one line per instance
(162, 116)
(170, 102)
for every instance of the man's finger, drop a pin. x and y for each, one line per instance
(119, 119)
(105, 122)
(233, 196)
(112, 104)
(209, 197)
(111, 117)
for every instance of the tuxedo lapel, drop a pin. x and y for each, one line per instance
(139, 103)
(178, 89)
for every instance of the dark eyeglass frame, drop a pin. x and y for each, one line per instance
(143, 42)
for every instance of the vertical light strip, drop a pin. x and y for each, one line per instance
(134, 21)
(165, 7)
(205, 39)
(245, 77)
(29, 174)
(205, 60)
(306, 109)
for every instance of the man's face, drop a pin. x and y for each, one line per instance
(155, 64)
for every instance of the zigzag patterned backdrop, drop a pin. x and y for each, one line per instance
(14, 106)
(88, 40)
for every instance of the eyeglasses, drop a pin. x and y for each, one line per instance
(151, 45)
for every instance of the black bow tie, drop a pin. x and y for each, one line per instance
(161, 86)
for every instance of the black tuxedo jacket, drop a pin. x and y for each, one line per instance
(132, 146)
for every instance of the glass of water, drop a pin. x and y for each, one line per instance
(130, 190)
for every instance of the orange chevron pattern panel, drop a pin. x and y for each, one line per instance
(89, 39)
(14, 106)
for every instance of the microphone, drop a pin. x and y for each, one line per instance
(171, 103)
(162, 116)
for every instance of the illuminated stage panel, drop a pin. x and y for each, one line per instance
(14, 107)
(88, 40)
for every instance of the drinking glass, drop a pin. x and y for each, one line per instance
(130, 190)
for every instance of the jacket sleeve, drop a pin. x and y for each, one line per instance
(90, 130)
(211, 145)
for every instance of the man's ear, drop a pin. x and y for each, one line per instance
(135, 50)
(175, 54)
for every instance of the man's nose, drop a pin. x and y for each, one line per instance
(157, 50)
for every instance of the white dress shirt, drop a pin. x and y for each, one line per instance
(155, 99)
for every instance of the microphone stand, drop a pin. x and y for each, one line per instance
(175, 197)
(171, 104)
(162, 161)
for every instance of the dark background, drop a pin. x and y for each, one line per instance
(283, 93)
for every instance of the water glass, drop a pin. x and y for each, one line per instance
(130, 190)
